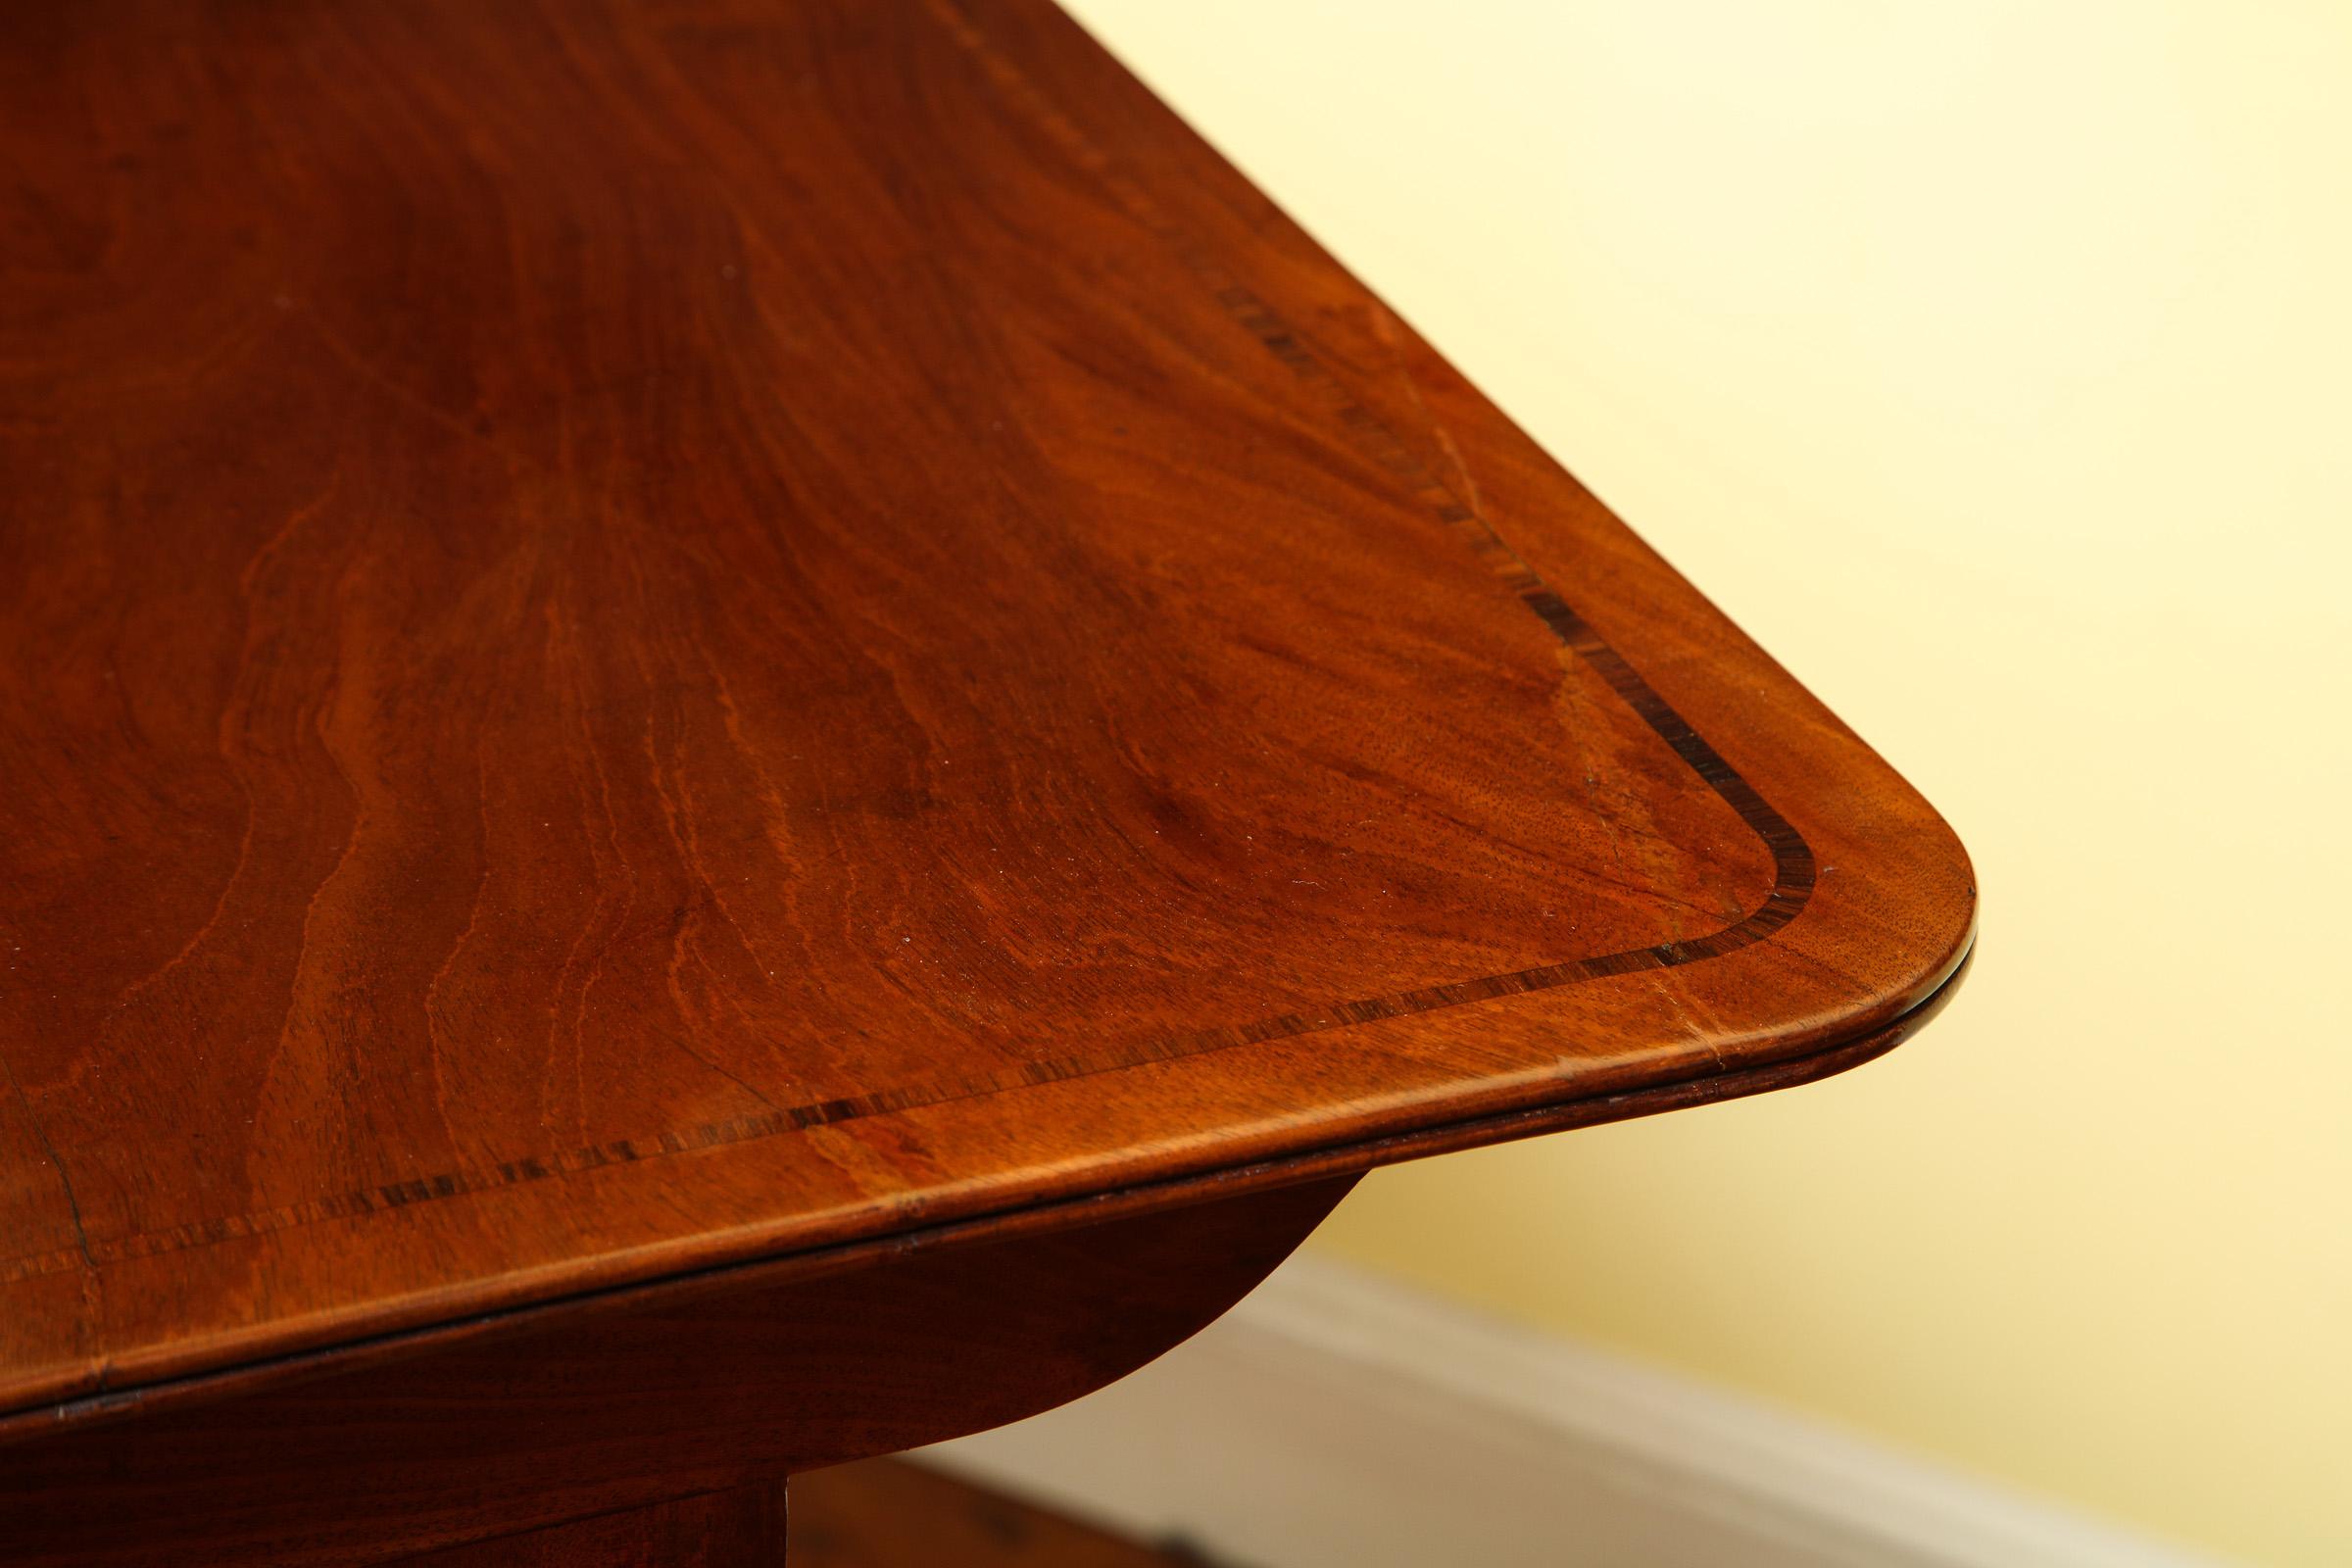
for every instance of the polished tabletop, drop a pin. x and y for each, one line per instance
(639, 636)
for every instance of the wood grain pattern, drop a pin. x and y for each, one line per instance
(638, 1397)
(639, 636)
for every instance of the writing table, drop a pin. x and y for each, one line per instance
(748, 731)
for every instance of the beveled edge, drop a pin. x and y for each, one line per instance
(1306, 1165)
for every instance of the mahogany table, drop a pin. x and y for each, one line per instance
(743, 732)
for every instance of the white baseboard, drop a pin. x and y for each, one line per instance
(1337, 1419)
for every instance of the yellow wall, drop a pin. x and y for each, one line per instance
(1990, 361)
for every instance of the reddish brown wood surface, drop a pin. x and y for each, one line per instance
(738, 1529)
(890, 1513)
(640, 636)
(638, 1397)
